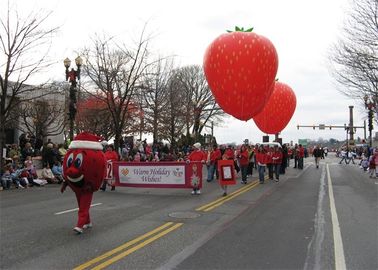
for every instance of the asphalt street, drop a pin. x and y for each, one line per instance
(322, 218)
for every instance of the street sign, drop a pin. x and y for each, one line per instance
(321, 126)
(303, 142)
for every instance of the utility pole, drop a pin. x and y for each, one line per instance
(351, 127)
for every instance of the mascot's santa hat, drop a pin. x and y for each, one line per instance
(86, 140)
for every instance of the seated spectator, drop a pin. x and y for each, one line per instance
(57, 170)
(15, 174)
(48, 175)
(6, 179)
(31, 178)
(23, 178)
(28, 163)
(16, 163)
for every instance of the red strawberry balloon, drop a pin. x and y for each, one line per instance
(240, 68)
(278, 110)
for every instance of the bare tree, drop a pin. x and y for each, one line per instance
(199, 102)
(117, 72)
(24, 45)
(155, 96)
(354, 57)
(173, 115)
(42, 118)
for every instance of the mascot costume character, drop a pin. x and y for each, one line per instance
(84, 168)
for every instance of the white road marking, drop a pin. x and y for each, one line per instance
(314, 248)
(75, 209)
(337, 240)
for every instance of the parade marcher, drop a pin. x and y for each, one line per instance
(230, 153)
(224, 187)
(213, 155)
(243, 157)
(84, 167)
(289, 156)
(110, 156)
(284, 159)
(269, 153)
(276, 161)
(251, 159)
(317, 153)
(261, 159)
(301, 155)
(295, 155)
(196, 155)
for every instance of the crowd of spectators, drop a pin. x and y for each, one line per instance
(19, 168)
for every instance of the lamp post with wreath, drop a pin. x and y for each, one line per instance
(370, 106)
(72, 76)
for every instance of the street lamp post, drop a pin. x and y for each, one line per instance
(72, 76)
(369, 105)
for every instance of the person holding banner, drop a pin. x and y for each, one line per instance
(110, 156)
(226, 172)
(196, 155)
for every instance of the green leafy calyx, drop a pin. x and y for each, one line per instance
(240, 29)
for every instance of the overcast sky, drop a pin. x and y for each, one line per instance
(301, 31)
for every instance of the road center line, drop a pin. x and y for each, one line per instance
(75, 209)
(162, 230)
(337, 240)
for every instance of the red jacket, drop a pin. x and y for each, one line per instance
(229, 153)
(269, 155)
(215, 155)
(261, 158)
(197, 155)
(300, 152)
(244, 158)
(277, 157)
(111, 155)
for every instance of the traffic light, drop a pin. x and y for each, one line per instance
(371, 115)
(330, 127)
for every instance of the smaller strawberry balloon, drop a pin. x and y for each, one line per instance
(278, 110)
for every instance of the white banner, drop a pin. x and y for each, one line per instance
(152, 174)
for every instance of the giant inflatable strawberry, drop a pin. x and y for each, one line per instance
(278, 110)
(240, 68)
(84, 168)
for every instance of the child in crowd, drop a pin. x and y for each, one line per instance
(29, 163)
(48, 175)
(6, 178)
(364, 163)
(57, 170)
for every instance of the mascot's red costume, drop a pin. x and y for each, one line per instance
(84, 168)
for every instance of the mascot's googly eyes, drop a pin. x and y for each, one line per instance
(69, 160)
(78, 160)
